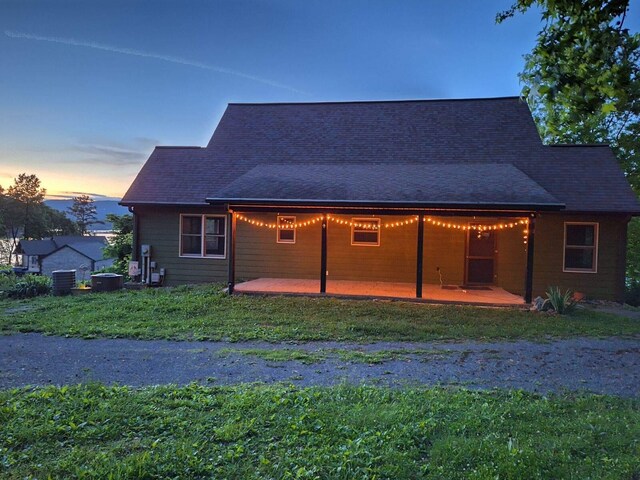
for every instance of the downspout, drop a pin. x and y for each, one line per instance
(622, 282)
(135, 248)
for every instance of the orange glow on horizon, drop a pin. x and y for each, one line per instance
(65, 184)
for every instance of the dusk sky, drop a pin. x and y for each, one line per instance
(88, 88)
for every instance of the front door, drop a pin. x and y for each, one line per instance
(481, 247)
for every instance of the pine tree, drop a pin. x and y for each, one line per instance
(85, 213)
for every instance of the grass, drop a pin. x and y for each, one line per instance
(284, 355)
(203, 313)
(93, 431)
(321, 355)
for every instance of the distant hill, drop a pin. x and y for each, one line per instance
(103, 207)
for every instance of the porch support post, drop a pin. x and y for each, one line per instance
(528, 285)
(419, 256)
(323, 256)
(232, 254)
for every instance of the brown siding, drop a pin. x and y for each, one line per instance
(447, 248)
(444, 248)
(259, 255)
(607, 283)
(394, 260)
(511, 260)
(160, 228)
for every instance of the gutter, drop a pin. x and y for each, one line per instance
(385, 204)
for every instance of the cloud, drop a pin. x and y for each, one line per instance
(110, 154)
(70, 195)
(156, 56)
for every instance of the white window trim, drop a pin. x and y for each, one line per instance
(278, 230)
(355, 220)
(596, 245)
(203, 244)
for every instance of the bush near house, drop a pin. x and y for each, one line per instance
(632, 294)
(560, 302)
(28, 286)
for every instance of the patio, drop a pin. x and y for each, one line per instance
(493, 296)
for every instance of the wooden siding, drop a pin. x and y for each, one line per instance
(259, 255)
(160, 228)
(447, 248)
(607, 283)
(394, 260)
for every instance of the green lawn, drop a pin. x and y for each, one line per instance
(204, 313)
(94, 431)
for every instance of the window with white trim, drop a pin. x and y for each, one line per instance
(286, 229)
(203, 236)
(580, 247)
(365, 231)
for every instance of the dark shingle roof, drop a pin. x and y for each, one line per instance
(92, 250)
(36, 247)
(89, 246)
(386, 134)
(479, 184)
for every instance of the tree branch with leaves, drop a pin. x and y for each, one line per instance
(582, 83)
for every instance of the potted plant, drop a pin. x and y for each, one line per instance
(82, 289)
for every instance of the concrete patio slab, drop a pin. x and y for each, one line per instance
(395, 290)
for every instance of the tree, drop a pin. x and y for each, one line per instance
(23, 214)
(57, 223)
(84, 211)
(25, 195)
(121, 245)
(582, 83)
(582, 79)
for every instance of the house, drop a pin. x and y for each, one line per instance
(64, 252)
(434, 197)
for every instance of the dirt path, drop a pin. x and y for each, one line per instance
(609, 366)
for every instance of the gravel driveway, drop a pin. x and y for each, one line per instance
(609, 366)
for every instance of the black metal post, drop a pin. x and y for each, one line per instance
(420, 256)
(323, 256)
(232, 254)
(528, 285)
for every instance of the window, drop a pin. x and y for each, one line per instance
(365, 231)
(286, 230)
(203, 236)
(580, 247)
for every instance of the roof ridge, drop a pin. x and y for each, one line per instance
(178, 146)
(348, 102)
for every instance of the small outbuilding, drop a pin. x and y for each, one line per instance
(65, 252)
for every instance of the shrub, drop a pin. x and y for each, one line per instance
(8, 280)
(562, 303)
(30, 286)
(115, 268)
(632, 293)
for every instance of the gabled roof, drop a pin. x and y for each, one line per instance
(399, 140)
(69, 247)
(89, 246)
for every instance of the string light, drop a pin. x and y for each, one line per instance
(371, 225)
